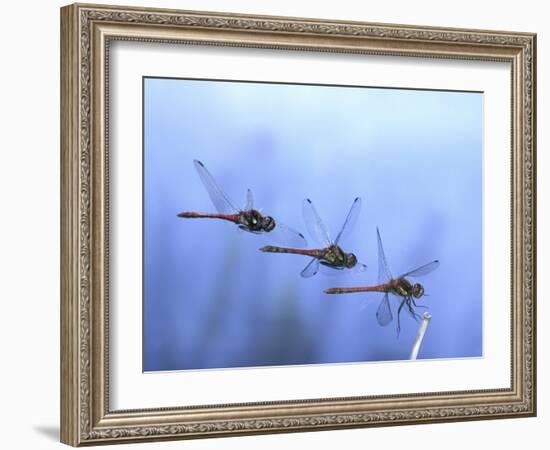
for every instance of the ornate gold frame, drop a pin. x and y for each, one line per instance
(86, 31)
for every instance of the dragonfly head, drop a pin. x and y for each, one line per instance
(417, 290)
(268, 223)
(350, 260)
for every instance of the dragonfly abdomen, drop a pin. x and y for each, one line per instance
(196, 215)
(350, 290)
(293, 251)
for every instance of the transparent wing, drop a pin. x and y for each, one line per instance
(365, 302)
(332, 271)
(249, 201)
(422, 270)
(329, 270)
(359, 268)
(284, 235)
(220, 200)
(350, 221)
(315, 226)
(383, 314)
(244, 231)
(384, 274)
(311, 269)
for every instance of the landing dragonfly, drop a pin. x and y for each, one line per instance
(400, 287)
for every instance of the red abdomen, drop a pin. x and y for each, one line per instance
(196, 215)
(350, 290)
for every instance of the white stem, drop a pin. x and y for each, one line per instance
(420, 335)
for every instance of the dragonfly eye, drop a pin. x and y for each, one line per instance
(418, 290)
(268, 223)
(350, 260)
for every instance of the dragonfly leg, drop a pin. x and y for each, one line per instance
(415, 315)
(418, 306)
(398, 317)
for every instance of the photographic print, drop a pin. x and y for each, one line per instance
(305, 210)
(298, 224)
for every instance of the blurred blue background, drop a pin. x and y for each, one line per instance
(211, 300)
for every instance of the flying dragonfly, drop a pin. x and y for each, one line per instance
(248, 219)
(400, 287)
(330, 255)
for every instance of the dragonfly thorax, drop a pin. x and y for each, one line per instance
(253, 220)
(335, 256)
(404, 288)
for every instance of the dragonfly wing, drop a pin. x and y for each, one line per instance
(315, 226)
(331, 271)
(350, 221)
(283, 235)
(383, 314)
(249, 201)
(311, 269)
(326, 269)
(363, 306)
(422, 270)
(220, 200)
(384, 274)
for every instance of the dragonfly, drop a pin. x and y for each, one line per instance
(330, 255)
(248, 218)
(400, 287)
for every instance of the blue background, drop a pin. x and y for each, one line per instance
(211, 300)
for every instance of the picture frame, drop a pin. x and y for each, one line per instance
(87, 177)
